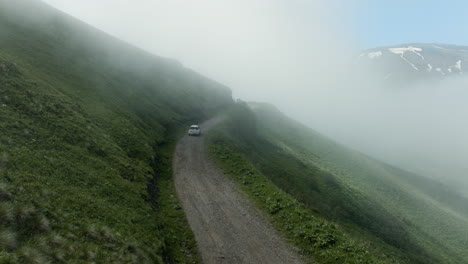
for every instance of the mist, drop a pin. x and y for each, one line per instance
(418, 127)
(301, 56)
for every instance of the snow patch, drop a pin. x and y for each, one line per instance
(419, 54)
(429, 67)
(401, 51)
(456, 68)
(458, 65)
(409, 62)
(440, 70)
(439, 47)
(374, 55)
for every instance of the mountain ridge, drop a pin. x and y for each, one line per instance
(415, 61)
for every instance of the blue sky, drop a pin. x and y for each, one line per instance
(380, 23)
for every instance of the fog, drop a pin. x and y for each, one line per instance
(300, 55)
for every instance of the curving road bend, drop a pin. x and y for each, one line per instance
(227, 226)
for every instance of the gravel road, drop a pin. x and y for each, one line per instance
(227, 226)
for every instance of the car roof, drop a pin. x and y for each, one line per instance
(194, 126)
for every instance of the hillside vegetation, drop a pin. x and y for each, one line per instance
(87, 125)
(396, 215)
(87, 130)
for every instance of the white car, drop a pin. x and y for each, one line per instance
(194, 130)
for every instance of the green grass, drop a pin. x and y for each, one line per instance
(402, 215)
(87, 127)
(318, 240)
(424, 219)
(180, 245)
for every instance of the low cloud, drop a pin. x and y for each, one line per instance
(301, 56)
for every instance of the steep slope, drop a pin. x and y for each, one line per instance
(417, 61)
(397, 214)
(86, 130)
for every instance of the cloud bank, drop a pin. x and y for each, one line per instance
(299, 55)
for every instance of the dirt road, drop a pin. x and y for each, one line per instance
(227, 227)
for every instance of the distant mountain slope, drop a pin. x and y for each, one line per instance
(86, 125)
(406, 216)
(416, 61)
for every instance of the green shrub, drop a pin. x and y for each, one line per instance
(318, 240)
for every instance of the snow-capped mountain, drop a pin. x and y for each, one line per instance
(411, 62)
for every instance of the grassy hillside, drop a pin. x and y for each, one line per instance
(87, 125)
(403, 216)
